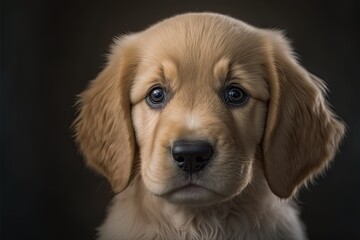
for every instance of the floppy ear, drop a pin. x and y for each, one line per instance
(103, 128)
(302, 134)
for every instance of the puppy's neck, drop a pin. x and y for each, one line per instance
(256, 210)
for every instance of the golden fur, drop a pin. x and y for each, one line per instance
(265, 150)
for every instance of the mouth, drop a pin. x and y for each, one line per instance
(192, 195)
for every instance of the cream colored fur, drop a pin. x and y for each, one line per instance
(264, 150)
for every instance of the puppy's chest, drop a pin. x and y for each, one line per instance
(127, 220)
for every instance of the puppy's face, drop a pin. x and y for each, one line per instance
(198, 115)
(201, 102)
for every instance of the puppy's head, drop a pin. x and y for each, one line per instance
(194, 100)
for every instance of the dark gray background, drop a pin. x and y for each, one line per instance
(51, 49)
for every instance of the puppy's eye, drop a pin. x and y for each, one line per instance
(235, 96)
(156, 97)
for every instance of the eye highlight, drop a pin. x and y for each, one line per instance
(235, 96)
(156, 97)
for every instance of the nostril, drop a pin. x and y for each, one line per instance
(180, 159)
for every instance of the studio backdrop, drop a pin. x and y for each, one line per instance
(50, 50)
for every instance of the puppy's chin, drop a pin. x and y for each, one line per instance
(193, 195)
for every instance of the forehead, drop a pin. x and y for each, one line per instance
(200, 48)
(200, 40)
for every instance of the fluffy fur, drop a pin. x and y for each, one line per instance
(264, 150)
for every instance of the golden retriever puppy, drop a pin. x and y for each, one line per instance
(202, 124)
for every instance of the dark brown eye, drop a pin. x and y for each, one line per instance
(156, 97)
(235, 96)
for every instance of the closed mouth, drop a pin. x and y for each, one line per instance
(192, 195)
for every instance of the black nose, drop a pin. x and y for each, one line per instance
(191, 156)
